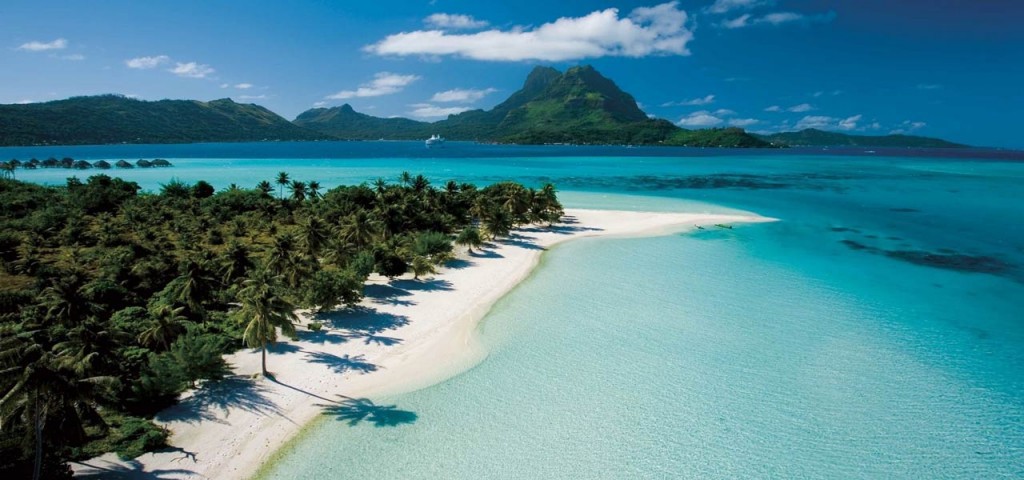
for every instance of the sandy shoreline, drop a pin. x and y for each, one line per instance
(407, 334)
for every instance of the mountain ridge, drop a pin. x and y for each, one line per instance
(812, 137)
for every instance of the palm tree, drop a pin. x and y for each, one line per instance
(405, 178)
(265, 187)
(314, 190)
(7, 170)
(193, 286)
(420, 183)
(470, 237)
(313, 235)
(282, 180)
(282, 259)
(45, 394)
(263, 311)
(64, 299)
(298, 190)
(234, 262)
(380, 185)
(167, 324)
(359, 229)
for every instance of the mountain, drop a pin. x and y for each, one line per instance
(815, 137)
(579, 106)
(108, 119)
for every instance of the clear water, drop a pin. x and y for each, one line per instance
(875, 332)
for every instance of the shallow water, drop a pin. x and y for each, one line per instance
(874, 332)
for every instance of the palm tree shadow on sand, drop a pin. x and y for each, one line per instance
(131, 470)
(233, 392)
(358, 410)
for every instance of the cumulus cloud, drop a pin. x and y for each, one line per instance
(243, 86)
(773, 108)
(743, 122)
(803, 107)
(779, 18)
(384, 83)
(849, 123)
(724, 112)
(461, 95)
(705, 100)
(426, 110)
(658, 30)
(36, 46)
(252, 97)
(726, 6)
(815, 121)
(144, 63)
(453, 22)
(699, 119)
(191, 70)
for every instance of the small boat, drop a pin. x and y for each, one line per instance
(727, 227)
(435, 140)
(699, 227)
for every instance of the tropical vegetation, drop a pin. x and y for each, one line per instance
(114, 301)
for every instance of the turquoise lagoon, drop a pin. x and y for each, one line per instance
(876, 331)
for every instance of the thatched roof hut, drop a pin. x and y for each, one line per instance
(144, 163)
(161, 163)
(123, 164)
(82, 165)
(103, 164)
(66, 162)
(50, 163)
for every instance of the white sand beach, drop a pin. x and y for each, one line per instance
(407, 334)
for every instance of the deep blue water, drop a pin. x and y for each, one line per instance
(876, 331)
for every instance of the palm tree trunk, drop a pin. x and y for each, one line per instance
(264, 351)
(37, 468)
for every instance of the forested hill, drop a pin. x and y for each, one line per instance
(109, 119)
(820, 138)
(577, 106)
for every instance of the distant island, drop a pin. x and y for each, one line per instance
(812, 137)
(579, 106)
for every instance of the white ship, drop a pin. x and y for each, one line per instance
(435, 140)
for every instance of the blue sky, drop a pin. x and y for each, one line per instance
(946, 68)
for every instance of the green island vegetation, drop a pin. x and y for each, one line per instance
(812, 137)
(114, 301)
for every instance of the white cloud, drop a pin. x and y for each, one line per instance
(803, 107)
(773, 108)
(928, 86)
(699, 119)
(144, 63)
(817, 94)
(724, 112)
(658, 30)
(725, 6)
(738, 22)
(36, 46)
(243, 86)
(191, 70)
(907, 127)
(426, 110)
(743, 122)
(25, 101)
(319, 104)
(453, 21)
(849, 123)
(815, 121)
(252, 97)
(383, 83)
(705, 100)
(779, 18)
(74, 57)
(776, 19)
(462, 95)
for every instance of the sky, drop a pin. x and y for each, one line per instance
(947, 68)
